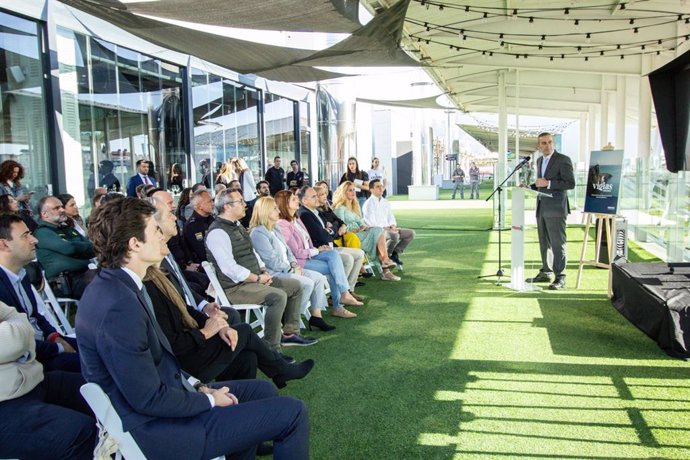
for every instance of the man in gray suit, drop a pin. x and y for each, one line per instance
(554, 177)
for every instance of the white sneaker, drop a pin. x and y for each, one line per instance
(389, 276)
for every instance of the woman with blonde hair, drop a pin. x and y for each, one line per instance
(246, 178)
(373, 239)
(269, 243)
(322, 259)
(226, 174)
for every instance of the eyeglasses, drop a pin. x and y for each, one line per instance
(236, 201)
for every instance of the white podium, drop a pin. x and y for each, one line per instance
(517, 240)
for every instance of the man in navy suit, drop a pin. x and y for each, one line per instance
(554, 177)
(124, 351)
(141, 177)
(18, 248)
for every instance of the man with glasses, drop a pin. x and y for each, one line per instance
(244, 276)
(62, 251)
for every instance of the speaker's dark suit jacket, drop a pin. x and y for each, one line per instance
(124, 351)
(559, 171)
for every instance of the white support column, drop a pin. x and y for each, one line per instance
(502, 148)
(591, 124)
(517, 123)
(620, 112)
(644, 128)
(604, 119)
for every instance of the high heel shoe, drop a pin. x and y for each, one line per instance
(319, 323)
(293, 372)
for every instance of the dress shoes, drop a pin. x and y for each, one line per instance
(540, 278)
(366, 275)
(293, 372)
(296, 340)
(319, 323)
(357, 296)
(389, 276)
(359, 284)
(558, 284)
(395, 257)
(287, 359)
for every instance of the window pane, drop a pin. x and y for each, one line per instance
(23, 130)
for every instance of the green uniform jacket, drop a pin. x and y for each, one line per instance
(62, 249)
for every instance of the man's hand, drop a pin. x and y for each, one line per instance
(541, 182)
(266, 279)
(213, 309)
(229, 336)
(221, 396)
(65, 345)
(213, 325)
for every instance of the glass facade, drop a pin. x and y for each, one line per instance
(305, 142)
(279, 118)
(225, 124)
(23, 133)
(119, 106)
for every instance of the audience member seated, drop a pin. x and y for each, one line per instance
(189, 208)
(127, 354)
(11, 174)
(107, 179)
(208, 347)
(322, 259)
(72, 212)
(326, 232)
(8, 204)
(41, 415)
(179, 252)
(346, 207)
(63, 252)
(329, 194)
(197, 225)
(377, 213)
(261, 190)
(245, 278)
(273, 250)
(17, 249)
(140, 178)
(182, 203)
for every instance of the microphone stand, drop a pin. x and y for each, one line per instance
(499, 273)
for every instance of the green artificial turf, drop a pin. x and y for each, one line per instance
(443, 365)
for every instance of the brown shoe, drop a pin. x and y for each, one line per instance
(343, 313)
(389, 276)
(357, 296)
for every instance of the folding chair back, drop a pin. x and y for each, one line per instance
(222, 299)
(54, 312)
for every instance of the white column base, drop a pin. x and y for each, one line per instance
(422, 192)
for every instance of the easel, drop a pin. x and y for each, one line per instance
(606, 224)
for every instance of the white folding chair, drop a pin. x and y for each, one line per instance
(54, 312)
(110, 421)
(219, 293)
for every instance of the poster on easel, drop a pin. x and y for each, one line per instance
(604, 181)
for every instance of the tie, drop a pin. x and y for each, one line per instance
(189, 297)
(544, 164)
(146, 180)
(28, 308)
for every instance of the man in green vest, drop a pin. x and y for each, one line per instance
(62, 251)
(244, 277)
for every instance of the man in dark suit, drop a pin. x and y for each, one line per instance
(18, 248)
(126, 353)
(554, 177)
(141, 177)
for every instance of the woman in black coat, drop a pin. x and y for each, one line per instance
(207, 347)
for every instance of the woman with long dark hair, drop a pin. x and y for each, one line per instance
(359, 178)
(72, 212)
(8, 205)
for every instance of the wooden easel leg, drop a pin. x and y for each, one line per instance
(588, 224)
(609, 247)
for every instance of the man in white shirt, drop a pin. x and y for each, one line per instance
(377, 213)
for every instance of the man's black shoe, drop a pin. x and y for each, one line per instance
(540, 278)
(366, 275)
(359, 284)
(288, 359)
(396, 258)
(558, 284)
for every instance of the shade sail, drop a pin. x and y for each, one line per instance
(422, 103)
(305, 15)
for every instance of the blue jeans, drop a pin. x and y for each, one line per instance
(330, 264)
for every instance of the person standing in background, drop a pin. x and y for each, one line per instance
(459, 181)
(275, 176)
(295, 178)
(11, 174)
(378, 173)
(474, 181)
(359, 178)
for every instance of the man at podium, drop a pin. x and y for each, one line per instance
(554, 177)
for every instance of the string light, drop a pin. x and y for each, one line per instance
(440, 7)
(543, 37)
(632, 21)
(622, 6)
(588, 37)
(486, 15)
(567, 11)
(531, 20)
(636, 30)
(577, 22)
(426, 24)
